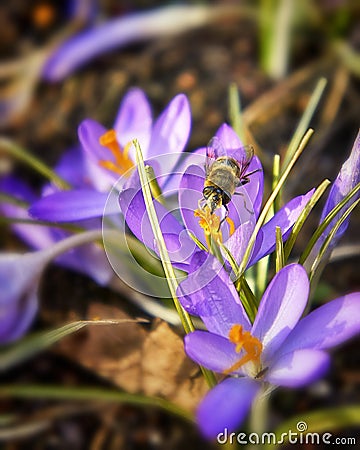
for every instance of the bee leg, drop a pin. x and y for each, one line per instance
(247, 209)
(201, 203)
(244, 181)
(225, 217)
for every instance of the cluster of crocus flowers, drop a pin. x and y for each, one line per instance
(280, 347)
(90, 171)
(275, 346)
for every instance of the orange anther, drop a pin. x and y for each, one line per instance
(246, 342)
(122, 162)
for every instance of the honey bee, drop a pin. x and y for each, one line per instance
(224, 174)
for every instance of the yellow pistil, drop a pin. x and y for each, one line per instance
(249, 344)
(210, 223)
(122, 161)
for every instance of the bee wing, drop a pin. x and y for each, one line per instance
(214, 149)
(244, 156)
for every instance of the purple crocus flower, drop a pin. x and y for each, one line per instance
(122, 31)
(108, 155)
(278, 349)
(243, 210)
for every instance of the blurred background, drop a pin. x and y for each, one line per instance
(55, 71)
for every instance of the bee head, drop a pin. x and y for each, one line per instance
(214, 197)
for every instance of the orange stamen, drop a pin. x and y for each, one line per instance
(231, 225)
(210, 223)
(122, 161)
(246, 342)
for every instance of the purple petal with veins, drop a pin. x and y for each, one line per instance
(134, 120)
(299, 368)
(281, 307)
(70, 206)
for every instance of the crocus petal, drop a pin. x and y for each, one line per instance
(228, 137)
(180, 246)
(299, 368)
(118, 33)
(89, 259)
(16, 318)
(33, 235)
(281, 307)
(240, 211)
(190, 193)
(16, 187)
(285, 219)
(225, 407)
(89, 133)
(347, 179)
(255, 187)
(172, 182)
(19, 275)
(71, 168)
(231, 141)
(171, 132)
(239, 240)
(69, 206)
(327, 326)
(210, 350)
(134, 119)
(209, 293)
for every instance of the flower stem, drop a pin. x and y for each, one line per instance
(159, 238)
(164, 255)
(259, 416)
(23, 221)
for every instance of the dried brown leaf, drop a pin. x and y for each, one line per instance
(152, 362)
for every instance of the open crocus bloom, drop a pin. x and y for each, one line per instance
(278, 349)
(108, 155)
(244, 207)
(243, 211)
